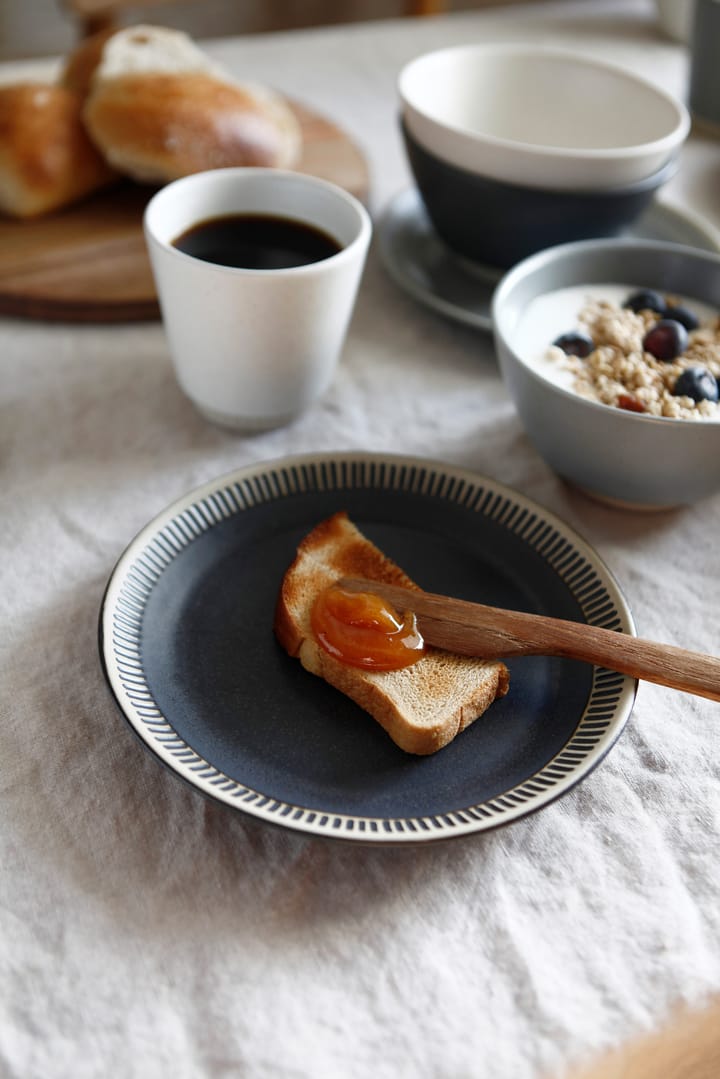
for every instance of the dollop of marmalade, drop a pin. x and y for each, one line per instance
(362, 630)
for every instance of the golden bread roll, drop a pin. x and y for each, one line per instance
(80, 65)
(157, 109)
(156, 128)
(46, 158)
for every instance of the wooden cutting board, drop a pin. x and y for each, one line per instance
(89, 263)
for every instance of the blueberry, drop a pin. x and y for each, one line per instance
(666, 340)
(684, 315)
(646, 300)
(575, 344)
(698, 383)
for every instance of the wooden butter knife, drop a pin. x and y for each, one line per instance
(473, 629)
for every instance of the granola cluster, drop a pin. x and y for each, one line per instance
(620, 372)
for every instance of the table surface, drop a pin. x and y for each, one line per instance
(147, 931)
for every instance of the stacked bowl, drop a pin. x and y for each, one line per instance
(515, 148)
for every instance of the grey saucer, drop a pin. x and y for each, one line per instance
(421, 264)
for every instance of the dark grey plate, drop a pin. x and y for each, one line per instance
(421, 264)
(187, 647)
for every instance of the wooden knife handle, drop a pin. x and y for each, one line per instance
(473, 629)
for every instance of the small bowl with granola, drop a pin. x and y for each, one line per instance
(611, 352)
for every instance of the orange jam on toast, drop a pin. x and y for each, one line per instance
(362, 630)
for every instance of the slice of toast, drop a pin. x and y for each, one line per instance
(422, 707)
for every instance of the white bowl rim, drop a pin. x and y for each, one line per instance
(539, 258)
(673, 138)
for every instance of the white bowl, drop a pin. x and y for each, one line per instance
(624, 457)
(540, 117)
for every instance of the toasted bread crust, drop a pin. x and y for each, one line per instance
(348, 555)
(422, 707)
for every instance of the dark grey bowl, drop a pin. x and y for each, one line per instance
(498, 224)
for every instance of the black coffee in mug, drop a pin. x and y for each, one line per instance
(257, 242)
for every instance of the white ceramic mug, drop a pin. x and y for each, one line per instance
(253, 348)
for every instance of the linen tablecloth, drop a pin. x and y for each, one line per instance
(148, 932)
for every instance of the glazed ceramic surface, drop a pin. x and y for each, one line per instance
(253, 348)
(625, 457)
(189, 651)
(425, 267)
(498, 223)
(546, 117)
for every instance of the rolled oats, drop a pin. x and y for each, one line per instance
(621, 373)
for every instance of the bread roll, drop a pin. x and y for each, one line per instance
(158, 108)
(46, 158)
(81, 64)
